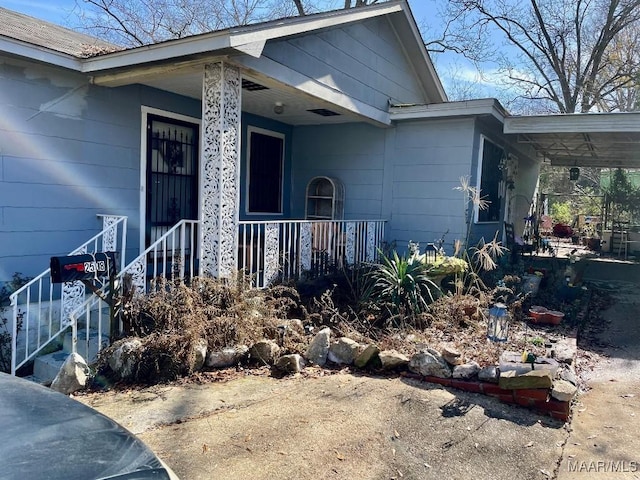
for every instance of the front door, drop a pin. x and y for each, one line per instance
(172, 174)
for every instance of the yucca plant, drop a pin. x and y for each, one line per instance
(402, 283)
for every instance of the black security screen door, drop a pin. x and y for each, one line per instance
(172, 174)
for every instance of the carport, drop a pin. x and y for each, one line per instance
(600, 140)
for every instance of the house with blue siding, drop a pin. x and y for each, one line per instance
(229, 128)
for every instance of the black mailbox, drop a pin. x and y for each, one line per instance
(84, 267)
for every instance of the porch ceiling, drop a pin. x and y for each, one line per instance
(607, 140)
(296, 104)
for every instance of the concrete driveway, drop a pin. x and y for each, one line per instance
(336, 426)
(604, 441)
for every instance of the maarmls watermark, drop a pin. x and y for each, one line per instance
(603, 466)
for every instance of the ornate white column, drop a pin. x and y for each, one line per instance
(220, 170)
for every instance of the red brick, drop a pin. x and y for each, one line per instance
(532, 393)
(560, 416)
(524, 401)
(492, 389)
(505, 398)
(446, 382)
(467, 386)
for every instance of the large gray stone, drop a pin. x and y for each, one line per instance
(563, 391)
(319, 347)
(227, 357)
(200, 351)
(391, 359)
(343, 351)
(265, 352)
(533, 379)
(72, 376)
(290, 363)
(429, 363)
(466, 371)
(489, 374)
(368, 354)
(564, 352)
(451, 355)
(568, 373)
(125, 357)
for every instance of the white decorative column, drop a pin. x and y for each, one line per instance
(220, 170)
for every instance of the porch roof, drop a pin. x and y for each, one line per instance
(607, 140)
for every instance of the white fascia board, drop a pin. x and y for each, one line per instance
(303, 24)
(249, 39)
(302, 83)
(449, 109)
(32, 52)
(419, 57)
(574, 123)
(158, 52)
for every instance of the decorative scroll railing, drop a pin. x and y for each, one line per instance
(41, 310)
(288, 249)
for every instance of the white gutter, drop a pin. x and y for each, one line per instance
(575, 123)
(488, 106)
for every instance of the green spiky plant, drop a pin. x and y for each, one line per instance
(402, 283)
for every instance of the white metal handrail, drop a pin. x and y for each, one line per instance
(43, 308)
(172, 256)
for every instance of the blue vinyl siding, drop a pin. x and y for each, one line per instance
(68, 151)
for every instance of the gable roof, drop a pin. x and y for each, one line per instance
(38, 40)
(39, 33)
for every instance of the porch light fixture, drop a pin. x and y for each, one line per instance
(574, 173)
(278, 108)
(498, 323)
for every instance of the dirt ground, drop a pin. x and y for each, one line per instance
(335, 426)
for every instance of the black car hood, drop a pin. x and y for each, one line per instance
(47, 435)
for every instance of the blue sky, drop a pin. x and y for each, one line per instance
(57, 11)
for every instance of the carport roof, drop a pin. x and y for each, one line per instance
(606, 140)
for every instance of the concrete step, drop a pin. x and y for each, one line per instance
(46, 367)
(92, 354)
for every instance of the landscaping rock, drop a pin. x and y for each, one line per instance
(290, 363)
(563, 353)
(569, 374)
(466, 371)
(319, 347)
(227, 357)
(366, 356)
(429, 363)
(125, 356)
(512, 361)
(534, 379)
(489, 374)
(391, 359)
(343, 351)
(451, 355)
(563, 390)
(265, 352)
(72, 375)
(200, 350)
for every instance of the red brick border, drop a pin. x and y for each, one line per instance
(537, 399)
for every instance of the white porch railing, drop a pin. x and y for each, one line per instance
(267, 250)
(287, 249)
(41, 310)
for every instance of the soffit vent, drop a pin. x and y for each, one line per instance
(323, 112)
(252, 86)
